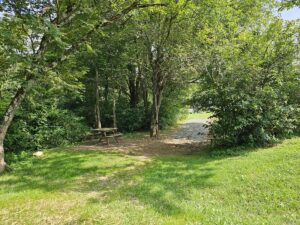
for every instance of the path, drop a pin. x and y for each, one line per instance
(189, 137)
(192, 131)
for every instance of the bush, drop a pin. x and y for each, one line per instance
(131, 119)
(38, 126)
(170, 112)
(252, 90)
(248, 114)
(12, 157)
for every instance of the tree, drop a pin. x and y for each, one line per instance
(161, 39)
(288, 4)
(247, 67)
(38, 37)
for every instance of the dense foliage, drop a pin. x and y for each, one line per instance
(250, 81)
(44, 121)
(73, 61)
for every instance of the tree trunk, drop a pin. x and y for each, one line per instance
(9, 115)
(157, 88)
(156, 58)
(106, 89)
(2, 162)
(134, 78)
(145, 98)
(114, 114)
(97, 103)
(154, 129)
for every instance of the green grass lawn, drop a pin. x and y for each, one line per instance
(88, 187)
(200, 115)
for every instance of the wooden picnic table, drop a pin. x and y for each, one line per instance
(106, 133)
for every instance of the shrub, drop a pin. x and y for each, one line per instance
(250, 82)
(131, 119)
(38, 126)
(248, 114)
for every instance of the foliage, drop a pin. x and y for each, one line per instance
(174, 101)
(42, 122)
(248, 81)
(288, 4)
(44, 129)
(131, 119)
(205, 188)
(172, 110)
(239, 56)
(40, 42)
(18, 157)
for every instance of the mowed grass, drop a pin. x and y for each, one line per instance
(199, 115)
(260, 186)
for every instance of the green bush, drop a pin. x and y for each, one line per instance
(43, 124)
(247, 113)
(131, 119)
(12, 157)
(170, 112)
(251, 85)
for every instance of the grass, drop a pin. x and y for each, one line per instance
(136, 135)
(88, 187)
(200, 115)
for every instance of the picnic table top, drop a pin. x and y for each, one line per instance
(106, 129)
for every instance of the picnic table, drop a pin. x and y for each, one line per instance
(106, 133)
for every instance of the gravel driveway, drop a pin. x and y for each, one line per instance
(192, 131)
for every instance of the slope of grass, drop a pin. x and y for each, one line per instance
(89, 187)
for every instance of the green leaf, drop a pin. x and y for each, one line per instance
(90, 49)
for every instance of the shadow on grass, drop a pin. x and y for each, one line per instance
(161, 183)
(61, 171)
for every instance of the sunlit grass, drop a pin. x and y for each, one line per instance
(199, 115)
(191, 116)
(260, 186)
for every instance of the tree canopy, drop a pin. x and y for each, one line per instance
(65, 64)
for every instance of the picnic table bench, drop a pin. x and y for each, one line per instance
(106, 133)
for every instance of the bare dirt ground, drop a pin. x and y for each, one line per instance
(190, 137)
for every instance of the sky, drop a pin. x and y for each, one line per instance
(291, 14)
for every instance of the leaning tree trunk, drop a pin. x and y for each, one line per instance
(9, 115)
(2, 162)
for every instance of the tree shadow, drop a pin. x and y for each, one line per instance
(166, 181)
(160, 184)
(62, 171)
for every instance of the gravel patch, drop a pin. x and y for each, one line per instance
(192, 131)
